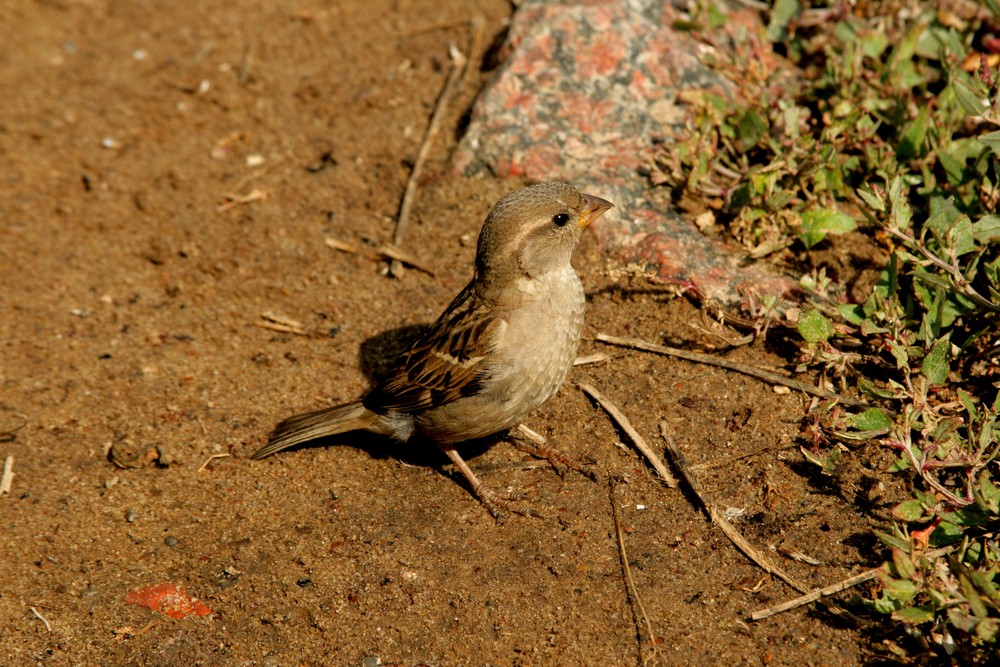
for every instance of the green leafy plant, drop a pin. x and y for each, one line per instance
(893, 129)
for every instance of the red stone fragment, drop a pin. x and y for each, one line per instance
(168, 599)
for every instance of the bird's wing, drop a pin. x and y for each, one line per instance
(444, 365)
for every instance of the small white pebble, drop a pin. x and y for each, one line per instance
(204, 86)
(734, 513)
(139, 54)
(111, 143)
(255, 160)
(641, 507)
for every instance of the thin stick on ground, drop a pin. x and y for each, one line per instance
(458, 64)
(633, 593)
(210, 459)
(760, 374)
(385, 251)
(734, 535)
(630, 431)
(7, 480)
(41, 618)
(826, 591)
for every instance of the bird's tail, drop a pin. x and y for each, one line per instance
(317, 424)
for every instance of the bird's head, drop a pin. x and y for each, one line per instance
(534, 230)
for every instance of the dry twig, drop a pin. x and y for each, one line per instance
(766, 376)
(210, 459)
(633, 592)
(719, 519)
(819, 593)
(281, 323)
(458, 64)
(591, 359)
(41, 618)
(630, 431)
(8, 475)
(385, 251)
(234, 200)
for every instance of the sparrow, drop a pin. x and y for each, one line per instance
(502, 348)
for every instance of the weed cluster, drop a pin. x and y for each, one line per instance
(882, 120)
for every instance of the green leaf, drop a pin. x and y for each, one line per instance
(962, 619)
(852, 313)
(968, 402)
(992, 140)
(749, 130)
(987, 229)
(900, 60)
(871, 389)
(892, 540)
(898, 353)
(947, 533)
(871, 419)
(994, 6)
(903, 563)
(971, 103)
(828, 463)
(814, 327)
(960, 237)
(874, 201)
(988, 493)
(914, 615)
(966, 516)
(901, 589)
(908, 510)
(986, 629)
(983, 581)
(935, 365)
(900, 464)
(874, 43)
(954, 169)
(782, 13)
(911, 142)
(972, 597)
(819, 222)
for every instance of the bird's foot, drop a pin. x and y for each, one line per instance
(534, 443)
(496, 504)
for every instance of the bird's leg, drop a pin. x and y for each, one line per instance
(494, 502)
(534, 443)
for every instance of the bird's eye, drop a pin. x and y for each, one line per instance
(560, 219)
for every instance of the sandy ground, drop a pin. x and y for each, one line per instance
(131, 301)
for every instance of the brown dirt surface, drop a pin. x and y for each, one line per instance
(135, 378)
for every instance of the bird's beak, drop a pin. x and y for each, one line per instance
(594, 209)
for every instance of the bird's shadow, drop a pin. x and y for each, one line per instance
(376, 357)
(378, 353)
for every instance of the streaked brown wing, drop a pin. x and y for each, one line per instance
(444, 365)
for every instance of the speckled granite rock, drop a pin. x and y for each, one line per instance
(584, 90)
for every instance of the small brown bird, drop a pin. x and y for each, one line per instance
(502, 348)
